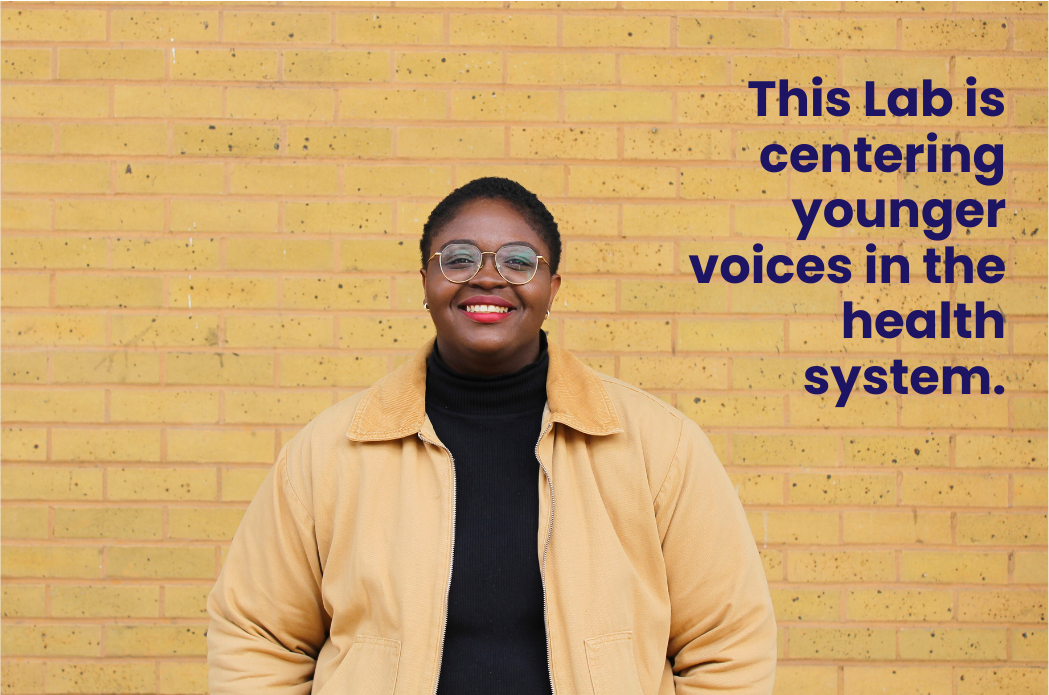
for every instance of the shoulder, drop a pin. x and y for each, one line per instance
(636, 407)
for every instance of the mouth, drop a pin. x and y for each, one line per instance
(487, 309)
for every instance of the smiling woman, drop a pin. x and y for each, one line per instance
(494, 516)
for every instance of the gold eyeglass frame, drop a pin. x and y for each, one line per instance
(494, 262)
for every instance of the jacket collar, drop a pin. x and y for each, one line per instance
(395, 406)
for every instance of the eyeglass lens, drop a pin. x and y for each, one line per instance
(515, 263)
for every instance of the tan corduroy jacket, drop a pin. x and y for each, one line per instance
(337, 579)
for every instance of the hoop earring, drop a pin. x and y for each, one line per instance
(425, 305)
(547, 313)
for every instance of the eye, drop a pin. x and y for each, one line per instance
(458, 257)
(518, 259)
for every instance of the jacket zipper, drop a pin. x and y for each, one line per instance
(451, 563)
(542, 572)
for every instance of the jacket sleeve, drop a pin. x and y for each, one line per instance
(267, 618)
(723, 630)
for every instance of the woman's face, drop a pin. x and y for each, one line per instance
(477, 343)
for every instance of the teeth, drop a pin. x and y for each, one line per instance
(486, 309)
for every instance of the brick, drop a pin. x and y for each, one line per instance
(543, 180)
(1030, 35)
(412, 216)
(147, 25)
(239, 445)
(1029, 339)
(717, 410)
(110, 215)
(155, 640)
(618, 106)
(379, 254)
(806, 528)
(105, 444)
(278, 254)
(897, 527)
(219, 368)
(581, 219)
(390, 27)
(851, 489)
(166, 330)
(814, 680)
(283, 104)
(25, 64)
(665, 297)
(1018, 681)
(25, 215)
(227, 141)
(270, 331)
(894, 72)
(676, 143)
(1000, 451)
(224, 64)
(1009, 528)
(97, 677)
(153, 562)
(505, 105)
(469, 143)
(841, 566)
(98, 367)
(795, 69)
(805, 604)
(276, 27)
(674, 220)
(165, 406)
(162, 483)
(113, 291)
(1029, 490)
(852, 33)
(213, 216)
(278, 407)
(52, 640)
(46, 177)
(791, 298)
(503, 30)
(1005, 606)
(1028, 645)
(940, 644)
(449, 67)
(330, 293)
(920, 451)
(719, 183)
(24, 367)
(397, 180)
(25, 24)
(71, 601)
(110, 63)
(718, 32)
(906, 680)
(632, 31)
(954, 489)
(59, 561)
(184, 253)
(175, 678)
(336, 66)
(331, 370)
(640, 69)
(843, 643)
(338, 218)
(203, 523)
(909, 605)
(931, 411)
(656, 372)
(79, 522)
(392, 104)
(21, 601)
(948, 34)
(367, 332)
(711, 106)
(47, 101)
(155, 177)
(618, 181)
(22, 677)
(52, 405)
(561, 68)
(278, 179)
(340, 141)
(863, 411)
(620, 257)
(92, 138)
(27, 444)
(563, 143)
(241, 484)
(37, 330)
(24, 290)
(954, 567)
(734, 336)
(24, 522)
(1005, 73)
(186, 601)
(169, 101)
(626, 335)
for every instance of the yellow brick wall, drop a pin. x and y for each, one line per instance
(210, 218)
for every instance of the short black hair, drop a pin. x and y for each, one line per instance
(495, 188)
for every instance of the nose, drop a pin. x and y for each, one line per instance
(487, 275)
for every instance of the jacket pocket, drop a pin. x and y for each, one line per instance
(369, 668)
(613, 670)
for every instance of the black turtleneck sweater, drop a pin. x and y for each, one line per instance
(496, 636)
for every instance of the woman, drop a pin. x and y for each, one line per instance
(493, 516)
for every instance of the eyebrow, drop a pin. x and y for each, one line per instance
(474, 243)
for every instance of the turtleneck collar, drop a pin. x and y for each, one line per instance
(503, 394)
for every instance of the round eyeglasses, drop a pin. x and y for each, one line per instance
(514, 262)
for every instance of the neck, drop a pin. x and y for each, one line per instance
(490, 364)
